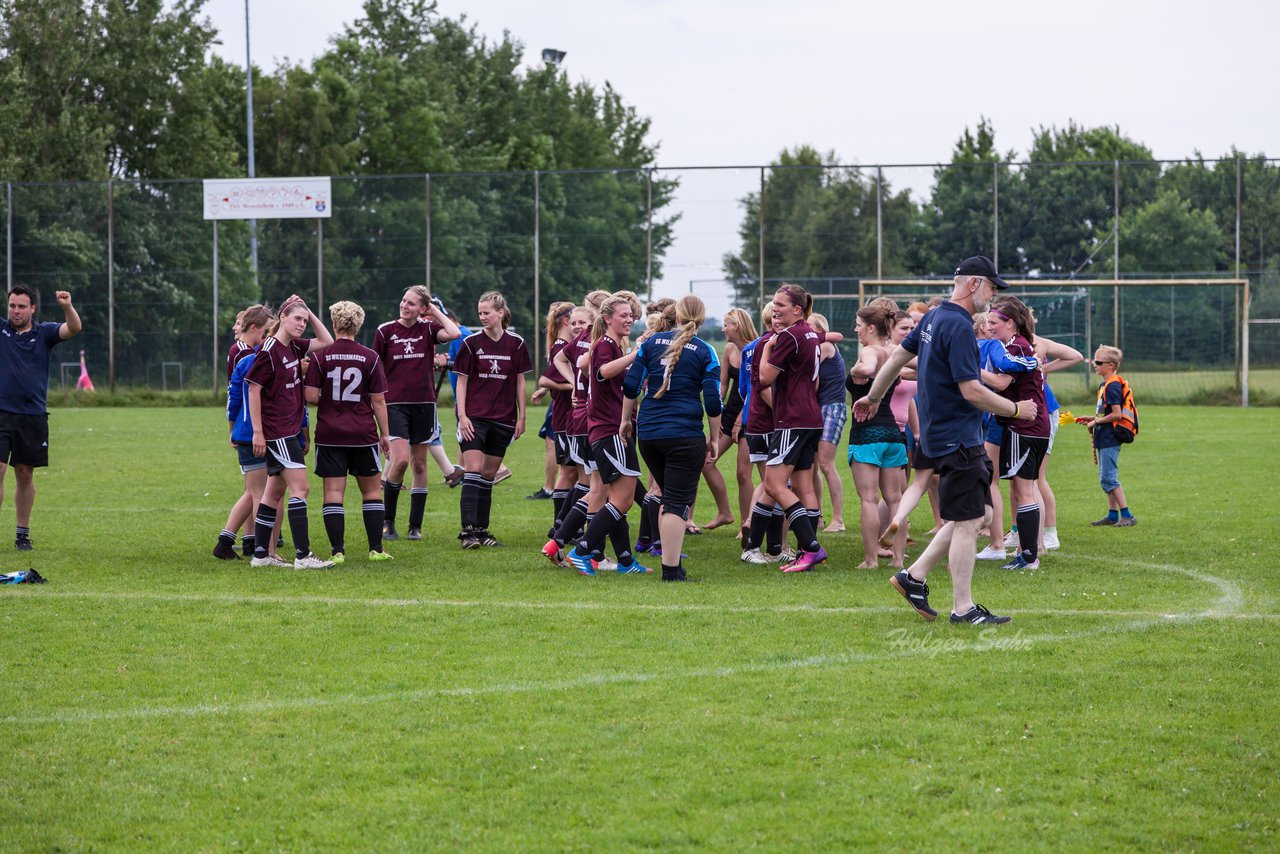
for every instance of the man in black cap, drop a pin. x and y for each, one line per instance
(950, 399)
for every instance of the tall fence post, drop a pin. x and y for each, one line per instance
(879, 223)
(995, 214)
(1115, 250)
(111, 285)
(319, 267)
(215, 305)
(8, 239)
(1242, 359)
(537, 260)
(426, 192)
(760, 265)
(648, 233)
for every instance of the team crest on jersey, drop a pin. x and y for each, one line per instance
(408, 346)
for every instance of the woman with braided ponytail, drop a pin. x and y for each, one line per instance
(681, 375)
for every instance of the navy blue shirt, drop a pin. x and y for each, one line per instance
(694, 387)
(24, 367)
(1104, 435)
(947, 355)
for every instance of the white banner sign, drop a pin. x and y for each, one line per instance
(267, 198)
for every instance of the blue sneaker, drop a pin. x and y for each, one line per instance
(634, 566)
(643, 546)
(582, 563)
(1020, 563)
(656, 550)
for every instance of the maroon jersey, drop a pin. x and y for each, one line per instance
(579, 347)
(561, 401)
(238, 351)
(494, 371)
(604, 409)
(795, 391)
(346, 373)
(277, 369)
(759, 420)
(408, 358)
(1026, 385)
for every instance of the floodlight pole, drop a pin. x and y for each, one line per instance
(215, 305)
(648, 233)
(537, 259)
(879, 225)
(760, 265)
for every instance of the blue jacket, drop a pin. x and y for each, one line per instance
(694, 387)
(238, 403)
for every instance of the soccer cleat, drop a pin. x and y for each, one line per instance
(656, 551)
(606, 565)
(389, 532)
(915, 592)
(487, 539)
(643, 546)
(1011, 540)
(375, 555)
(337, 558)
(806, 561)
(1051, 541)
(1020, 563)
(582, 563)
(23, 543)
(414, 534)
(992, 553)
(541, 495)
(310, 561)
(1105, 520)
(757, 557)
(554, 552)
(979, 615)
(787, 555)
(272, 560)
(1127, 522)
(223, 551)
(634, 567)
(675, 573)
(469, 539)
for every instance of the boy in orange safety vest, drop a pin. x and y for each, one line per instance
(1107, 444)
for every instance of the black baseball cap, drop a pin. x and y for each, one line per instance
(981, 265)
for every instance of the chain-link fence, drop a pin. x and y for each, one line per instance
(139, 258)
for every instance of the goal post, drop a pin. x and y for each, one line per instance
(1185, 340)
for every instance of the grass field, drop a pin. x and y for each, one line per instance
(154, 698)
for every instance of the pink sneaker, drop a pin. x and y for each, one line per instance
(806, 561)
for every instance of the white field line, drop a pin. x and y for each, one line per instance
(901, 645)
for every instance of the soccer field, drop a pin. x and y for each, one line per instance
(152, 697)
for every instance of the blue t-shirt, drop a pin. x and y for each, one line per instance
(1104, 435)
(744, 377)
(238, 400)
(454, 346)
(694, 387)
(947, 355)
(24, 367)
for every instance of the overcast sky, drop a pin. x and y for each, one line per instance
(877, 83)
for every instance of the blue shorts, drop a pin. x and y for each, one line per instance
(886, 455)
(248, 462)
(834, 416)
(994, 433)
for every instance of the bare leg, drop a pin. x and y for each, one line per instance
(996, 529)
(24, 493)
(835, 487)
(866, 478)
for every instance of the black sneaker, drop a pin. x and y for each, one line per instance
(1126, 521)
(674, 574)
(469, 539)
(414, 534)
(979, 615)
(23, 543)
(487, 539)
(915, 592)
(541, 495)
(225, 551)
(389, 532)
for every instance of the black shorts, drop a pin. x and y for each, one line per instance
(491, 437)
(1022, 456)
(921, 461)
(757, 446)
(614, 458)
(284, 454)
(416, 422)
(580, 453)
(676, 464)
(342, 460)
(964, 484)
(24, 439)
(795, 447)
(728, 417)
(563, 457)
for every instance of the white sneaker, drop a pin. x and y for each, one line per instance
(992, 553)
(1050, 540)
(607, 565)
(271, 560)
(755, 556)
(310, 561)
(1011, 540)
(787, 556)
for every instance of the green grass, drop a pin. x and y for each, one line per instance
(154, 698)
